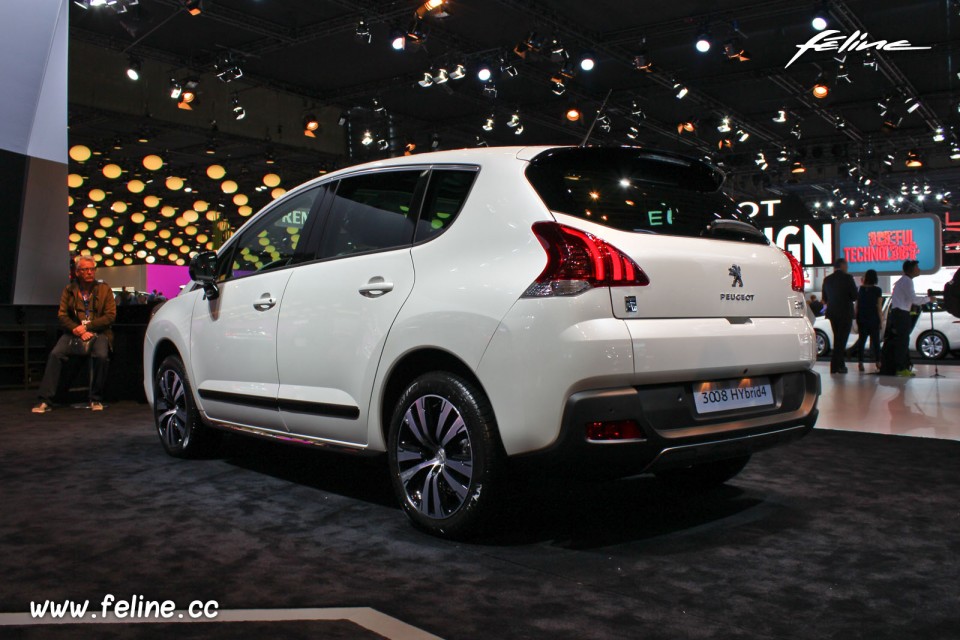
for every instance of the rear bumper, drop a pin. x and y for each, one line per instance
(673, 433)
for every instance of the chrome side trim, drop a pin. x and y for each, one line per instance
(285, 436)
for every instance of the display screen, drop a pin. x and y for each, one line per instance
(883, 243)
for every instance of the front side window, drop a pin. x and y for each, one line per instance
(371, 212)
(271, 242)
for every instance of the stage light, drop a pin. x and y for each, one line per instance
(742, 135)
(784, 156)
(514, 120)
(426, 80)
(681, 90)
(686, 125)
(573, 114)
(239, 113)
(798, 167)
(490, 90)
(367, 138)
(724, 126)
(938, 135)
(458, 72)
(781, 116)
(796, 132)
(641, 61)
(820, 89)
(955, 152)
(363, 31)
(913, 160)
(435, 141)
(636, 111)
(819, 21)
(133, 69)
(484, 73)
(587, 62)
(397, 40)
(193, 7)
(310, 124)
(488, 123)
(558, 85)
(441, 76)
(518, 130)
(703, 42)
(175, 89)
(912, 104)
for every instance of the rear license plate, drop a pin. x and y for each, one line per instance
(732, 394)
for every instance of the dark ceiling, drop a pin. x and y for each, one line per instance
(309, 50)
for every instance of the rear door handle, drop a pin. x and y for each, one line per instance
(265, 302)
(375, 287)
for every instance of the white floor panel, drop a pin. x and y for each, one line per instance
(924, 406)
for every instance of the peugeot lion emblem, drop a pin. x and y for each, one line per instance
(735, 272)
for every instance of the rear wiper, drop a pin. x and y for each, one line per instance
(734, 230)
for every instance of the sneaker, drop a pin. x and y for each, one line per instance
(43, 407)
(906, 373)
(96, 406)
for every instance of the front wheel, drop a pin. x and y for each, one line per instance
(179, 426)
(705, 475)
(933, 344)
(445, 456)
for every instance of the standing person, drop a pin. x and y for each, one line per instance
(87, 311)
(901, 324)
(839, 294)
(867, 311)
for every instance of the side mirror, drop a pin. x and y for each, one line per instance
(203, 269)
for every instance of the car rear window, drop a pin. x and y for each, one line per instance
(640, 191)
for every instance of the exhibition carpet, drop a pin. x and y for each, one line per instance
(842, 535)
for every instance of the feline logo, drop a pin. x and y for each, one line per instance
(826, 41)
(735, 272)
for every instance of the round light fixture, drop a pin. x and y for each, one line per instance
(112, 171)
(216, 171)
(152, 162)
(135, 186)
(80, 153)
(271, 180)
(228, 186)
(74, 180)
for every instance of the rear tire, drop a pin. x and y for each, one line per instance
(705, 475)
(179, 426)
(933, 344)
(445, 456)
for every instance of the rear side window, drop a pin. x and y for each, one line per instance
(446, 194)
(639, 191)
(371, 212)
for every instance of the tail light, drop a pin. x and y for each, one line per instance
(796, 271)
(577, 261)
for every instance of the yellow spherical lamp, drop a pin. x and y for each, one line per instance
(240, 199)
(271, 180)
(174, 183)
(74, 180)
(216, 171)
(112, 171)
(97, 195)
(80, 153)
(135, 186)
(228, 186)
(152, 162)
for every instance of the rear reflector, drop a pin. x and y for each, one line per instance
(614, 430)
(796, 270)
(578, 260)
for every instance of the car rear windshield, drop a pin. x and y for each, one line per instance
(639, 191)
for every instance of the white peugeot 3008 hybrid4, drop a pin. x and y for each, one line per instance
(598, 310)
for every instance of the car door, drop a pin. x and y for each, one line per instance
(338, 310)
(233, 336)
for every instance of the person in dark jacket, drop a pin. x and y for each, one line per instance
(839, 294)
(87, 311)
(868, 307)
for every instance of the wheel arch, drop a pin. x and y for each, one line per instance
(414, 364)
(941, 335)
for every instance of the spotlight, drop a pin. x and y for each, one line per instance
(820, 89)
(783, 157)
(367, 138)
(573, 114)
(742, 135)
(518, 130)
(426, 80)
(912, 104)
(509, 69)
(458, 72)
(488, 123)
(193, 7)
(133, 69)
(686, 125)
(842, 73)
(641, 61)
(558, 85)
(761, 161)
(633, 132)
(397, 40)
(781, 116)
(435, 141)
(343, 118)
(681, 90)
(484, 73)
(955, 152)
(228, 68)
(734, 50)
(604, 122)
(382, 144)
(798, 167)
(558, 53)
(724, 126)
(796, 132)
(703, 42)
(481, 142)
(490, 90)
(175, 89)
(819, 21)
(587, 62)
(913, 159)
(417, 33)
(892, 121)
(310, 124)
(938, 135)
(363, 31)
(514, 120)
(636, 111)
(239, 113)
(870, 60)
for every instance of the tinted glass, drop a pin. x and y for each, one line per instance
(446, 194)
(272, 241)
(639, 191)
(371, 212)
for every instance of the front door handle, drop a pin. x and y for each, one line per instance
(376, 287)
(265, 302)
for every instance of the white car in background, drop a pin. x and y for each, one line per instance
(931, 341)
(594, 309)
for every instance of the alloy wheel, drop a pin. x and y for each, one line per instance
(171, 408)
(931, 345)
(435, 457)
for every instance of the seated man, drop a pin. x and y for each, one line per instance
(87, 310)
